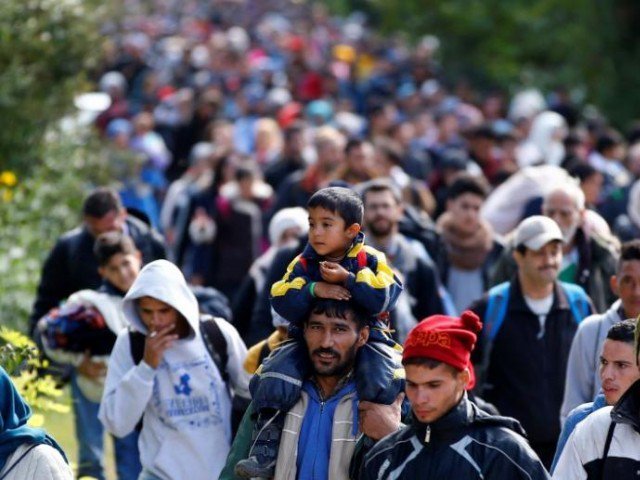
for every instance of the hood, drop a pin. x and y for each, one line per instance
(163, 281)
(628, 406)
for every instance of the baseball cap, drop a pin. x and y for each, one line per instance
(536, 231)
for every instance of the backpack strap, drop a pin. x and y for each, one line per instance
(578, 301)
(136, 345)
(216, 344)
(607, 446)
(15, 464)
(498, 300)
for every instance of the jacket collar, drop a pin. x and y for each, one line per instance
(627, 410)
(345, 385)
(453, 425)
(517, 301)
(447, 427)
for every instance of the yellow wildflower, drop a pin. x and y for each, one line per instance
(8, 178)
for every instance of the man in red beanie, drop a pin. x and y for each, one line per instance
(449, 436)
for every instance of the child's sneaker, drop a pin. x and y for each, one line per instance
(264, 450)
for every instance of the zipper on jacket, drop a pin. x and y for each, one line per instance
(427, 434)
(322, 406)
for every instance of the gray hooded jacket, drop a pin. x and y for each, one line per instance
(184, 402)
(583, 379)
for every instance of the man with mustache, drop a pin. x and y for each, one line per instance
(320, 431)
(529, 323)
(589, 259)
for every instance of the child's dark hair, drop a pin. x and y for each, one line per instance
(466, 183)
(340, 309)
(111, 243)
(343, 201)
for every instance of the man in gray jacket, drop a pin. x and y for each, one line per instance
(582, 381)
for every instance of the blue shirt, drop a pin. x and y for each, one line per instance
(314, 443)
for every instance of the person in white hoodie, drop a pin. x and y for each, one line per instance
(176, 390)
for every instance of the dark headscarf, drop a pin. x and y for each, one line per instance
(14, 413)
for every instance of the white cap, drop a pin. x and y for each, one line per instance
(536, 231)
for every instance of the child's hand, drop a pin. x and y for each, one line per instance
(327, 290)
(333, 272)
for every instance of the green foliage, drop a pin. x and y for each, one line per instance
(20, 359)
(39, 208)
(46, 44)
(589, 46)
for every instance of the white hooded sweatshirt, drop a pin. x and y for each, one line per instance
(186, 431)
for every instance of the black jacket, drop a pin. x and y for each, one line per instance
(71, 265)
(464, 444)
(527, 367)
(261, 320)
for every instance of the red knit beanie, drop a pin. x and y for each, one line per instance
(447, 339)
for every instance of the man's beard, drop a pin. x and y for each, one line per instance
(341, 368)
(380, 228)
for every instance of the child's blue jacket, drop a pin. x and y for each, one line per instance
(372, 283)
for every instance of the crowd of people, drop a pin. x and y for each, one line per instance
(432, 280)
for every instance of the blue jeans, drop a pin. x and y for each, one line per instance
(90, 436)
(128, 464)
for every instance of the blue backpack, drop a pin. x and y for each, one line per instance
(498, 301)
